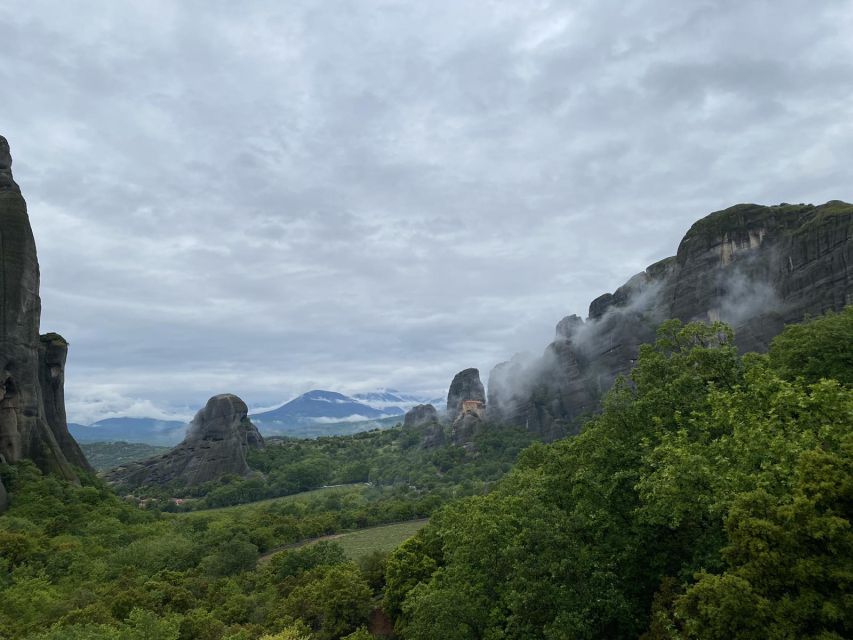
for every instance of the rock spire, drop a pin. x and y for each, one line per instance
(32, 367)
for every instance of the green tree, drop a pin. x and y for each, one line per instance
(297, 561)
(790, 560)
(818, 348)
(574, 542)
(331, 600)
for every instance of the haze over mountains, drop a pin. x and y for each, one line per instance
(314, 413)
(144, 430)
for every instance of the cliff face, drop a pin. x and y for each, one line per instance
(217, 441)
(754, 267)
(466, 385)
(32, 410)
(466, 400)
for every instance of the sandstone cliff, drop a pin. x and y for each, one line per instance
(216, 444)
(32, 409)
(754, 267)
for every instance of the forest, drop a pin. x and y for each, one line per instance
(711, 497)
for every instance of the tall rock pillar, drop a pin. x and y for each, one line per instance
(27, 431)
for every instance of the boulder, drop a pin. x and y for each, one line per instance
(216, 444)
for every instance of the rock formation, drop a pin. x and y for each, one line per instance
(419, 416)
(7, 183)
(754, 267)
(425, 417)
(466, 385)
(32, 410)
(216, 444)
(53, 351)
(466, 403)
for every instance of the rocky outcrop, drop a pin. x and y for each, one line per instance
(425, 417)
(419, 416)
(53, 351)
(466, 385)
(32, 412)
(216, 444)
(466, 404)
(754, 267)
(7, 183)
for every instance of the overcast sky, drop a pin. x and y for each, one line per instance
(267, 197)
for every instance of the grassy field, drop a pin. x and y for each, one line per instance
(385, 538)
(363, 541)
(343, 488)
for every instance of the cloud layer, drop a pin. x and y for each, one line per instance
(274, 197)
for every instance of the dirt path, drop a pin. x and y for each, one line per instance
(265, 557)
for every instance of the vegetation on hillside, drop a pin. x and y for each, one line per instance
(711, 498)
(79, 562)
(387, 458)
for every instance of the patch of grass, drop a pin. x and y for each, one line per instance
(385, 538)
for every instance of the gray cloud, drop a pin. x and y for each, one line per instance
(357, 194)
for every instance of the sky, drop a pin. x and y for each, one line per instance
(264, 198)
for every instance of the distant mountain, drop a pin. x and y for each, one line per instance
(390, 401)
(319, 406)
(322, 412)
(142, 430)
